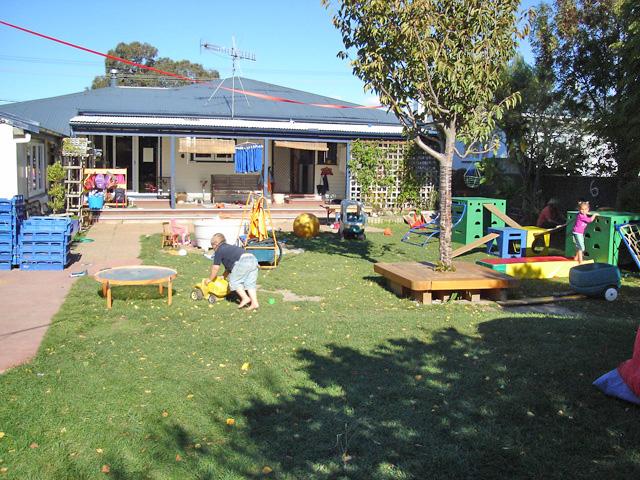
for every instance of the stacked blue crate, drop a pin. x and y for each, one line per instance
(12, 213)
(44, 243)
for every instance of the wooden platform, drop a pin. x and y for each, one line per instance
(420, 281)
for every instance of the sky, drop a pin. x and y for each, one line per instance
(294, 42)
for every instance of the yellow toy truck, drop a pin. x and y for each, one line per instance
(212, 291)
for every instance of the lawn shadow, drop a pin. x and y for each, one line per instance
(330, 243)
(516, 401)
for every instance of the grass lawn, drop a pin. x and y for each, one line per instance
(360, 385)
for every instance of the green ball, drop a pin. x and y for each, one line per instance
(272, 301)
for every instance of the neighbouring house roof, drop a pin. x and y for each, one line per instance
(19, 122)
(199, 108)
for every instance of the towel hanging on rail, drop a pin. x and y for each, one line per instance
(248, 158)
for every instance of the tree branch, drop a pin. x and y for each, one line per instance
(437, 155)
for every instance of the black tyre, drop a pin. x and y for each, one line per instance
(212, 299)
(196, 294)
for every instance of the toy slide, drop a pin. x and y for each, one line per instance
(630, 233)
(475, 244)
(506, 219)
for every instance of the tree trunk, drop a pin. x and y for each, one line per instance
(445, 198)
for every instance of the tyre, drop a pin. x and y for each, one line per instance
(362, 236)
(196, 294)
(212, 299)
(610, 294)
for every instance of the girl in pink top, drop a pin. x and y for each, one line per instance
(582, 220)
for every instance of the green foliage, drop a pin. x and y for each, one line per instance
(370, 168)
(592, 49)
(56, 190)
(412, 179)
(147, 55)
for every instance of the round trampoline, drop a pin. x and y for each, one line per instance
(135, 275)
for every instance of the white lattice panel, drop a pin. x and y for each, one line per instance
(387, 197)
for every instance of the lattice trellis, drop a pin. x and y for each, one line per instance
(387, 197)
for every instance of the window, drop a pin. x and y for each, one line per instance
(212, 157)
(36, 170)
(329, 157)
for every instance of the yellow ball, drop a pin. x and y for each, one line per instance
(306, 225)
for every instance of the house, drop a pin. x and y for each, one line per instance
(26, 148)
(182, 137)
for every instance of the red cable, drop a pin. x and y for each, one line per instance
(182, 77)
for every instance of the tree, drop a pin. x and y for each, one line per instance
(593, 50)
(56, 191)
(145, 54)
(540, 133)
(436, 64)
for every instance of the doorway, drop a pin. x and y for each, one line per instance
(147, 164)
(302, 171)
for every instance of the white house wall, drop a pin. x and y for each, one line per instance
(8, 162)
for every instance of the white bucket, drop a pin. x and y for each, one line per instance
(278, 198)
(205, 229)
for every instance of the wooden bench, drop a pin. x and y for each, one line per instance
(233, 188)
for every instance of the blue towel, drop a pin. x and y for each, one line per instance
(248, 159)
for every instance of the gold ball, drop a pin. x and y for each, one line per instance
(306, 225)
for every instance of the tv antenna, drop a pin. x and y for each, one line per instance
(236, 55)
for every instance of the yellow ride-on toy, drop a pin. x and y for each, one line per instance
(212, 291)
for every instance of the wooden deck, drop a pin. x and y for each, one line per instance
(420, 281)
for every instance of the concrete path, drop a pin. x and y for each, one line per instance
(29, 300)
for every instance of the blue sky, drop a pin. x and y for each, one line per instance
(294, 42)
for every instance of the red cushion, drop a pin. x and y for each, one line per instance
(630, 370)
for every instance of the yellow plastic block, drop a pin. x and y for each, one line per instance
(541, 269)
(537, 246)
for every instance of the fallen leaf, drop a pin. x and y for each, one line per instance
(34, 445)
(1, 434)
(165, 413)
(178, 458)
(105, 469)
(4, 470)
(190, 396)
(267, 470)
(245, 366)
(99, 450)
(231, 421)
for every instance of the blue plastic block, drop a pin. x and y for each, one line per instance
(44, 236)
(42, 265)
(43, 257)
(511, 243)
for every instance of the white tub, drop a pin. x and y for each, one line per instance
(205, 229)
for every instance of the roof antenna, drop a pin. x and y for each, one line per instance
(236, 55)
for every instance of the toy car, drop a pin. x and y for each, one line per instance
(596, 279)
(351, 223)
(212, 291)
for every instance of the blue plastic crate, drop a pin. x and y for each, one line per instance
(43, 257)
(47, 224)
(6, 257)
(5, 265)
(43, 247)
(42, 265)
(26, 236)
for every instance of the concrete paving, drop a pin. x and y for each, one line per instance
(30, 299)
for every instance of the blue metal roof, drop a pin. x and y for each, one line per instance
(195, 101)
(19, 122)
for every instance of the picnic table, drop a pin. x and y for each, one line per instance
(136, 275)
